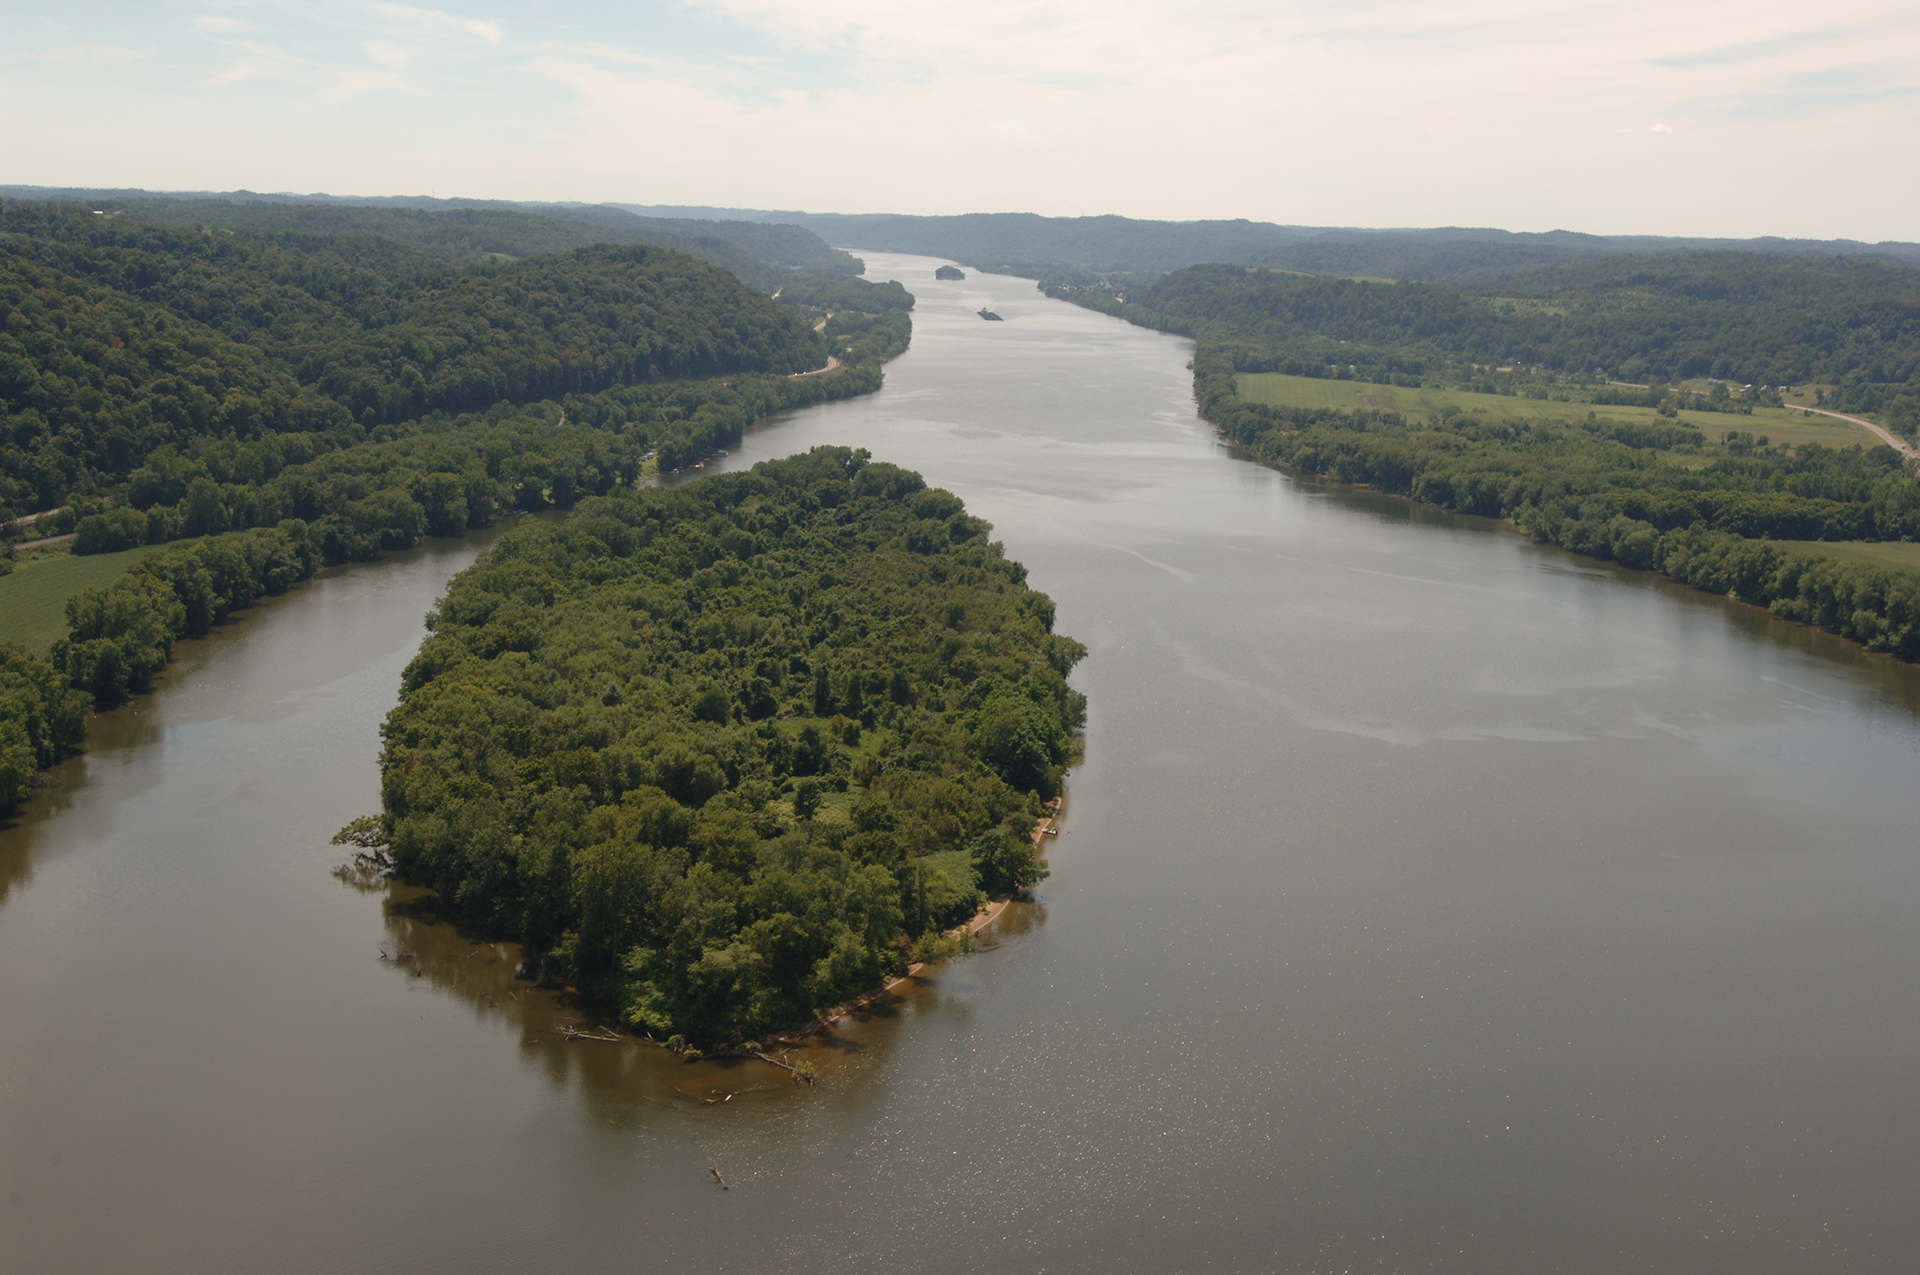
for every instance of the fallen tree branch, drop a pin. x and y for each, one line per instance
(597, 1033)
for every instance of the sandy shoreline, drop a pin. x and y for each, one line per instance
(981, 920)
(1049, 826)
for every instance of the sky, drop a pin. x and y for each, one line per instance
(1630, 116)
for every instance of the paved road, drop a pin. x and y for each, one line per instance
(44, 513)
(832, 363)
(1890, 439)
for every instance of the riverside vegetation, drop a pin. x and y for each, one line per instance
(334, 397)
(726, 753)
(1705, 505)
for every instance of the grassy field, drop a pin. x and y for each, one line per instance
(1803, 395)
(1782, 425)
(1893, 555)
(33, 600)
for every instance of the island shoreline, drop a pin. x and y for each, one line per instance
(1050, 826)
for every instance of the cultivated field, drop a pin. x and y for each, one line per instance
(33, 600)
(1781, 425)
(1893, 555)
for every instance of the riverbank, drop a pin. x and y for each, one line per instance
(127, 640)
(1050, 826)
(1704, 499)
(33, 597)
(796, 1037)
(1870, 603)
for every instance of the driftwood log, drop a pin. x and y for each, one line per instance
(596, 1033)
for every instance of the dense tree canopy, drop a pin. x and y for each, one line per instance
(135, 358)
(1027, 244)
(723, 753)
(42, 720)
(759, 254)
(836, 292)
(1744, 317)
(298, 400)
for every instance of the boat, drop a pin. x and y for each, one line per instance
(988, 314)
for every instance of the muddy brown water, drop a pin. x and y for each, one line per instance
(1429, 901)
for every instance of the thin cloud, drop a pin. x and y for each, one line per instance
(1814, 99)
(390, 56)
(82, 54)
(1795, 43)
(441, 23)
(256, 61)
(350, 84)
(1012, 104)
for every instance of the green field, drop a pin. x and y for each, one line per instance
(33, 600)
(1890, 555)
(1782, 425)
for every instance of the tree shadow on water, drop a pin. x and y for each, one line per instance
(624, 1079)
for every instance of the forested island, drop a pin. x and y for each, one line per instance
(726, 753)
(949, 272)
(1615, 406)
(313, 399)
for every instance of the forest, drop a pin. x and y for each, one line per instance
(1741, 317)
(279, 401)
(1034, 246)
(759, 254)
(837, 292)
(136, 360)
(725, 753)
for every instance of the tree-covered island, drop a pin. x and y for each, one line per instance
(949, 272)
(726, 753)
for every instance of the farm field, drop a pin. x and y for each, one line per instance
(1781, 424)
(33, 600)
(1803, 395)
(1891, 555)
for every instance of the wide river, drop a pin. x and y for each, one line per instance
(1429, 900)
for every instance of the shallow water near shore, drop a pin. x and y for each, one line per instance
(1428, 900)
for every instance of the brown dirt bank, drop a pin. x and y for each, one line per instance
(986, 916)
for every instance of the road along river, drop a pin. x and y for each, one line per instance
(1429, 900)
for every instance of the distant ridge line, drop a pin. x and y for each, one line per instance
(1027, 243)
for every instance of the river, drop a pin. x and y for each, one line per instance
(1429, 900)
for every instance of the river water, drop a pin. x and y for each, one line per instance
(1429, 900)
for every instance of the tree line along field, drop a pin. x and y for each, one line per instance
(1781, 424)
(1887, 555)
(33, 600)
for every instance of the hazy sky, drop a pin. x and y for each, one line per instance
(1655, 116)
